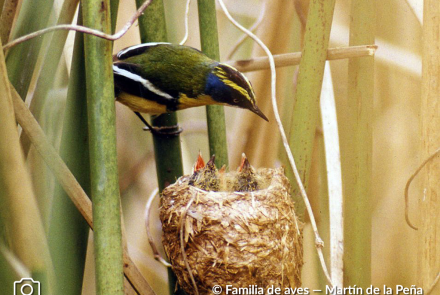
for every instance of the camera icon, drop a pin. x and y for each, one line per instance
(27, 286)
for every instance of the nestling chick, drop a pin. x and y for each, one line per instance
(246, 179)
(198, 166)
(206, 178)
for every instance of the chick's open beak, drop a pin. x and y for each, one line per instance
(257, 111)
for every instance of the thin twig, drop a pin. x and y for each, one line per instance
(185, 38)
(182, 245)
(437, 278)
(82, 29)
(255, 26)
(156, 253)
(408, 183)
(318, 241)
(293, 59)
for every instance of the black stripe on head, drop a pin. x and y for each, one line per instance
(128, 78)
(238, 78)
(137, 50)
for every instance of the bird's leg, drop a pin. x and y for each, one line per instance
(147, 125)
(161, 131)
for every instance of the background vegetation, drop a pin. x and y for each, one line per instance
(52, 84)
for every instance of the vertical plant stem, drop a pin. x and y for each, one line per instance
(429, 229)
(7, 18)
(49, 67)
(68, 232)
(68, 181)
(167, 150)
(215, 114)
(356, 151)
(311, 72)
(19, 207)
(334, 178)
(53, 56)
(102, 144)
(261, 142)
(114, 7)
(152, 24)
(2, 2)
(324, 210)
(8, 267)
(22, 58)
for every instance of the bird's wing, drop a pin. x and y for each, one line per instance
(137, 50)
(162, 72)
(132, 79)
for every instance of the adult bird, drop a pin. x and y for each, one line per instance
(157, 78)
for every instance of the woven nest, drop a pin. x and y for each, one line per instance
(232, 238)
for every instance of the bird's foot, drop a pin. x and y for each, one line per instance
(165, 131)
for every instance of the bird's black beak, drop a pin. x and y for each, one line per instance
(257, 111)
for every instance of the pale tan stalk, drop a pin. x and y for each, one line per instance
(293, 59)
(253, 136)
(429, 204)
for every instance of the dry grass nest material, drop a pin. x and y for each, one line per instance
(233, 238)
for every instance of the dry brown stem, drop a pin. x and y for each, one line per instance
(292, 59)
(9, 13)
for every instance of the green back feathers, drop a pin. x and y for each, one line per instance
(185, 70)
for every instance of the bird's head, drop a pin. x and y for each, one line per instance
(226, 85)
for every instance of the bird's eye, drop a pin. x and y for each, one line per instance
(236, 100)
